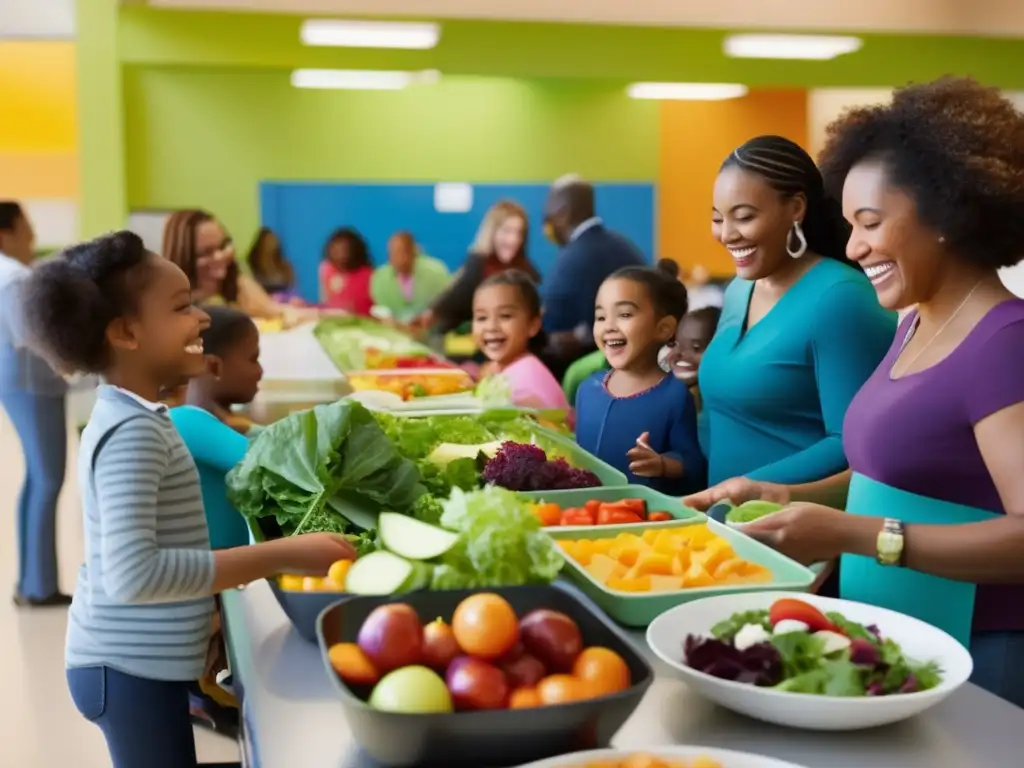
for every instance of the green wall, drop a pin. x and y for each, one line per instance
(207, 138)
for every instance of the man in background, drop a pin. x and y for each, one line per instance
(589, 254)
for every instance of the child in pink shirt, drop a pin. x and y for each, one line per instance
(345, 273)
(506, 323)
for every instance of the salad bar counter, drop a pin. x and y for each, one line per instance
(292, 714)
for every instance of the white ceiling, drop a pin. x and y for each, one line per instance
(37, 19)
(982, 17)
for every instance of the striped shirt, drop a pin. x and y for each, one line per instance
(143, 601)
(21, 370)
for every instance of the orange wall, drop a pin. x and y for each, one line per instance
(695, 139)
(38, 128)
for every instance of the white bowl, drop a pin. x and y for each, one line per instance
(727, 758)
(920, 641)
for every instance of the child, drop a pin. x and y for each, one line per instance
(695, 333)
(345, 273)
(636, 417)
(140, 621)
(506, 325)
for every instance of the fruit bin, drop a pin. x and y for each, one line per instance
(303, 608)
(485, 738)
(638, 609)
(656, 502)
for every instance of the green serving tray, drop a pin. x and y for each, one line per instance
(636, 609)
(656, 502)
(606, 473)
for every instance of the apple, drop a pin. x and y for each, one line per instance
(439, 645)
(526, 671)
(477, 684)
(411, 690)
(392, 637)
(552, 637)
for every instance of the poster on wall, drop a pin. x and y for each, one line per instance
(149, 225)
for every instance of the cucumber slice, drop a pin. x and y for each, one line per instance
(413, 539)
(378, 573)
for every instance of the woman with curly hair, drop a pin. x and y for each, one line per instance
(933, 185)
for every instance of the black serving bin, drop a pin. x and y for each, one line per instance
(303, 608)
(489, 738)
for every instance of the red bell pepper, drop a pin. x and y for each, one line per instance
(578, 516)
(614, 514)
(657, 517)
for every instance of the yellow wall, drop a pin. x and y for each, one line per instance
(38, 120)
(695, 138)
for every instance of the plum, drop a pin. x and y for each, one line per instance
(552, 637)
(476, 684)
(392, 637)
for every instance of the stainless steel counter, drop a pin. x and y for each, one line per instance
(292, 717)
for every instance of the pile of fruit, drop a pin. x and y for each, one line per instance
(595, 512)
(664, 560)
(377, 359)
(486, 658)
(334, 581)
(641, 760)
(410, 386)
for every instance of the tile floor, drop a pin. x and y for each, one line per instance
(39, 726)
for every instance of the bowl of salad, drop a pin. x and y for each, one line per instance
(662, 757)
(807, 661)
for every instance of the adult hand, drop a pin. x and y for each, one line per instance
(807, 533)
(644, 461)
(315, 553)
(738, 490)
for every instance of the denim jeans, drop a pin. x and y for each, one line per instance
(40, 423)
(999, 664)
(146, 722)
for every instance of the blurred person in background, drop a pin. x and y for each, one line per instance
(345, 273)
(32, 394)
(270, 267)
(701, 291)
(590, 253)
(500, 245)
(405, 286)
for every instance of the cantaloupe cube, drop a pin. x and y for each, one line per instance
(650, 536)
(716, 551)
(733, 566)
(568, 547)
(602, 567)
(697, 576)
(601, 546)
(627, 555)
(584, 551)
(756, 574)
(699, 534)
(654, 564)
(680, 562)
(639, 584)
(666, 583)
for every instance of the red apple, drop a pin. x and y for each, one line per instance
(526, 671)
(553, 638)
(439, 646)
(476, 684)
(392, 637)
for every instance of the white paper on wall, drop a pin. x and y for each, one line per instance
(149, 225)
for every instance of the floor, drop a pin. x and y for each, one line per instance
(39, 726)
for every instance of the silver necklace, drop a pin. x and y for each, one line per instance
(913, 329)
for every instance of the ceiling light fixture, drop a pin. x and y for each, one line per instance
(687, 91)
(803, 47)
(362, 79)
(370, 34)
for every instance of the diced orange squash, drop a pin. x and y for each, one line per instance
(584, 551)
(639, 584)
(601, 546)
(650, 536)
(666, 583)
(697, 576)
(699, 535)
(603, 567)
(734, 566)
(680, 562)
(713, 554)
(627, 555)
(654, 563)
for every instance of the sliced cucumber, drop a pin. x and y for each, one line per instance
(378, 573)
(446, 453)
(413, 539)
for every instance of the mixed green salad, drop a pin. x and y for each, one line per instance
(794, 647)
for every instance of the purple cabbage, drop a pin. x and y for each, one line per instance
(759, 664)
(864, 653)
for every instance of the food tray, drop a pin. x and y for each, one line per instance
(656, 502)
(490, 738)
(303, 608)
(638, 609)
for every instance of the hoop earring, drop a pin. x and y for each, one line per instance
(802, 248)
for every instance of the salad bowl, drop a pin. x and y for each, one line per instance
(726, 758)
(838, 689)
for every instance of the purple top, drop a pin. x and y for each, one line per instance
(916, 433)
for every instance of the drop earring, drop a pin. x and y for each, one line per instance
(801, 249)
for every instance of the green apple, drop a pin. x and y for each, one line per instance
(412, 690)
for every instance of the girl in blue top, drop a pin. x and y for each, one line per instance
(801, 329)
(636, 417)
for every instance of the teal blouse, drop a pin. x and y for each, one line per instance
(216, 448)
(775, 395)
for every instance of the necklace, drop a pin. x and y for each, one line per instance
(921, 351)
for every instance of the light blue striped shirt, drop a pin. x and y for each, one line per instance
(21, 370)
(143, 601)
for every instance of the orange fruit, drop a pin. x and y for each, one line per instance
(562, 689)
(485, 625)
(603, 670)
(352, 665)
(524, 698)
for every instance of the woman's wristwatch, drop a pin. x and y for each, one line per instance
(890, 543)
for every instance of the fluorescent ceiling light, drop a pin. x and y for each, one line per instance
(362, 79)
(806, 47)
(687, 91)
(370, 34)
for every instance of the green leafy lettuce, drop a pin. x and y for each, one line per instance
(324, 469)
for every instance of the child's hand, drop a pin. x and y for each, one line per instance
(644, 461)
(315, 553)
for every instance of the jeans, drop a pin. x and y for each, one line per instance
(999, 664)
(146, 722)
(40, 423)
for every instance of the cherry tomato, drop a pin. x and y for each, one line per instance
(612, 514)
(561, 689)
(797, 610)
(603, 669)
(485, 625)
(657, 517)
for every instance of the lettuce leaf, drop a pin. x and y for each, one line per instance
(307, 468)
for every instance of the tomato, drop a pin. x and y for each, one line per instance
(797, 610)
(562, 689)
(657, 517)
(603, 669)
(485, 625)
(578, 516)
(524, 698)
(611, 514)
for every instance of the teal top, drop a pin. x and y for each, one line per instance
(215, 448)
(775, 395)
